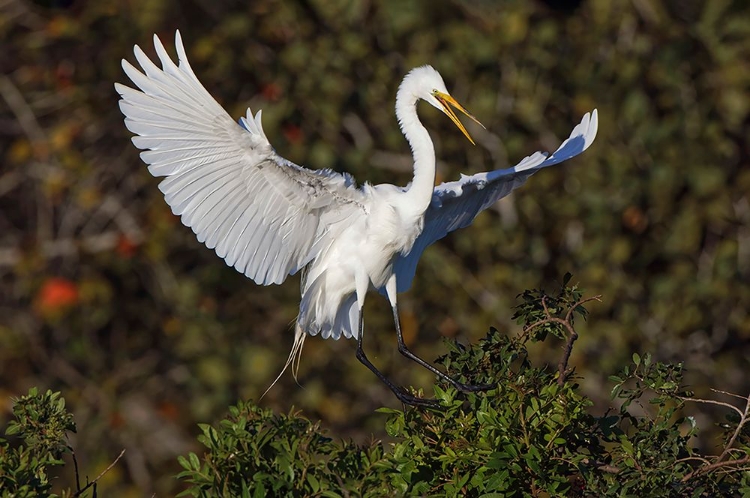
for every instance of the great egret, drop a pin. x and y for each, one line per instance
(269, 218)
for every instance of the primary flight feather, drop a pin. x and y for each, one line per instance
(269, 218)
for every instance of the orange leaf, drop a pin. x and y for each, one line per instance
(126, 247)
(292, 133)
(56, 294)
(271, 92)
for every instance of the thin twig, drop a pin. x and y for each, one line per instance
(75, 465)
(93, 483)
(610, 469)
(691, 458)
(712, 402)
(105, 241)
(731, 471)
(546, 309)
(733, 395)
(569, 315)
(562, 367)
(720, 462)
(36, 136)
(714, 466)
(22, 110)
(740, 425)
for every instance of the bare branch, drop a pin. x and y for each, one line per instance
(562, 367)
(75, 465)
(569, 315)
(720, 462)
(567, 323)
(714, 466)
(546, 309)
(733, 395)
(712, 402)
(691, 458)
(93, 483)
(610, 469)
(10, 256)
(22, 110)
(740, 425)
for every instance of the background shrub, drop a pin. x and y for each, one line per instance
(107, 298)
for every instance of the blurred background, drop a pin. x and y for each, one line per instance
(105, 296)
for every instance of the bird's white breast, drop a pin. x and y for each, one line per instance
(390, 230)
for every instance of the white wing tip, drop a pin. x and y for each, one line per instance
(259, 123)
(580, 139)
(593, 128)
(586, 129)
(253, 124)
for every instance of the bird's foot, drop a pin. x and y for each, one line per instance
(473, 388)
(411, 400)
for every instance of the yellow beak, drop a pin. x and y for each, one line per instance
(447, 101)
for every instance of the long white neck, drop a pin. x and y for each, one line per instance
(423, 151)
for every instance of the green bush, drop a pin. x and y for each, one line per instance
(533, 434)
(43, 423)
(106, 297)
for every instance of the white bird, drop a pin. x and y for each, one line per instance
(269, 218)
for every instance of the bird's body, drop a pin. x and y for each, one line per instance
(361, 254)
(269, 218)
(360, 257)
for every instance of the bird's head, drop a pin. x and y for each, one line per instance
(430, 87)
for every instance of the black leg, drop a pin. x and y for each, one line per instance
(400, 393)
(467, 388)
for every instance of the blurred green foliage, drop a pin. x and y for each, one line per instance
(533, 434)
(43, 422)
(530, 435)
(105, 296)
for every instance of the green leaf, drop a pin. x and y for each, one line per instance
(194, 461)
(314, 483)
(184, 463)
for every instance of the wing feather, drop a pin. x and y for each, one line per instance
(261, 213)
(228, 211)
(206, 220)
(237, 255)
(456, 204)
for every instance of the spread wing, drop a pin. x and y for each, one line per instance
(456, 204)
(261, 213)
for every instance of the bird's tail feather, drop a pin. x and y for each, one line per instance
(327, 315)
(294, 356)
